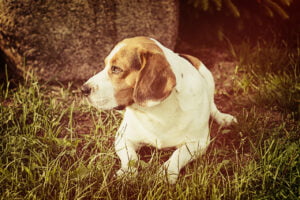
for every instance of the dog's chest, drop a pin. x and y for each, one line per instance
(163, 126)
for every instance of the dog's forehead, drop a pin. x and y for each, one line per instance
(115, 50)
(128, 48)
(137, 40)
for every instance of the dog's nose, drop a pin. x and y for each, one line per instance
(85, 90)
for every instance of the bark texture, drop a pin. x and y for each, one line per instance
(67, 40)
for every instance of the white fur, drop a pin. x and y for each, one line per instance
(115, 50)
(181, 120)
(102, 94)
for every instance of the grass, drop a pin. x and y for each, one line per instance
(54, 147)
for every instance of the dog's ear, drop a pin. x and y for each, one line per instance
(155, 80)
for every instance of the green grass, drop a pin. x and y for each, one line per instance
(55, 147)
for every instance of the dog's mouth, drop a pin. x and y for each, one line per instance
(102, 104)
(119, 107)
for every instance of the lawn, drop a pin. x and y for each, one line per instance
(54, 146)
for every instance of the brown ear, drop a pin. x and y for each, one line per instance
(155, 80)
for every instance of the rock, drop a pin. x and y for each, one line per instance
(68, 40)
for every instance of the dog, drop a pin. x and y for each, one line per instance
(168, 100)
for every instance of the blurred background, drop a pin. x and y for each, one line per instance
(68, 40)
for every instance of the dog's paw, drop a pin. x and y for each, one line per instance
(168, 176)
(225, 119)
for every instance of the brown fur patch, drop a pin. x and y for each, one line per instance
(155, 81)
(193, 60)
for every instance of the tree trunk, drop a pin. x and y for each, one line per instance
(67, 40)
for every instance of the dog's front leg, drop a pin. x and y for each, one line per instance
(182, 156)
(126, 151)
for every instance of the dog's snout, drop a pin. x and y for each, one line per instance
(86, 90)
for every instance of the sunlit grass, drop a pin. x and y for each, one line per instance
(54, 147)
(271, 73)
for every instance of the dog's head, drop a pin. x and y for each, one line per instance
(136, 71)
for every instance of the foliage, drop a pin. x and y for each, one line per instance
(236, 7)
(273, 74)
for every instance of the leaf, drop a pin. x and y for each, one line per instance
(277, 8)
(233, 8)
(204, 4)
(133, 164)
(286, 2)
(225, 131)
(269, 11)
(143, 164)
(218, 4)
(292, 148)
(80, 172)
(62, 142)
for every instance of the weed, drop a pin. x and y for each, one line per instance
(272, 73)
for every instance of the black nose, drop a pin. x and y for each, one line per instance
(86, 90)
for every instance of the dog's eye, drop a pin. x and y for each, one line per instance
(116, 70)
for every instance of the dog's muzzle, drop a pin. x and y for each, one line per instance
(86, 90)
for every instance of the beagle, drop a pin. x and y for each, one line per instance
(168, 99)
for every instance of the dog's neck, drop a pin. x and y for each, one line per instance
(164, 110)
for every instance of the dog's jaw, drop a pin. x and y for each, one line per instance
(102, 92)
